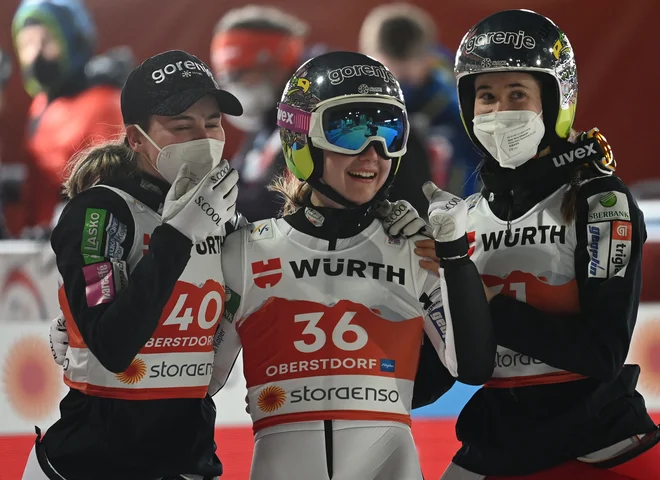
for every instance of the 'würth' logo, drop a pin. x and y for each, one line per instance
(267, 274)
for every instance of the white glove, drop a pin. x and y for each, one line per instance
(59, 339)
(198, 209)
(447, 213)
(401, 218)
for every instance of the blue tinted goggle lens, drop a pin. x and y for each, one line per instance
(349, 126)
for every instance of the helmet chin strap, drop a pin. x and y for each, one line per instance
(329, 192)
(323, 188)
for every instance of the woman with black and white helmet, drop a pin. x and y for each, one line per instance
(558, 238)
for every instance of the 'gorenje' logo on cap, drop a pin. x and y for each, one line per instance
(517, 39)
(182, 66)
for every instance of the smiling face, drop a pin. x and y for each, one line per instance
(355, 177)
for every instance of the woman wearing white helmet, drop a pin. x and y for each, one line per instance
(558, 238)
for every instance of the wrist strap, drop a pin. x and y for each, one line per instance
(454, 249)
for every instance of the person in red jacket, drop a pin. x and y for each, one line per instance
(76, 97)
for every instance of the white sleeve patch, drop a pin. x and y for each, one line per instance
(260, 230)
(598, 246)
(609, 245)
(115, 234)
(120, 274)
(609, 234)
(608, 206)
(621, 248)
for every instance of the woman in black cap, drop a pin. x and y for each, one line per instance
(137, 247)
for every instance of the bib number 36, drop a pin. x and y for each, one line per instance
(318, 338)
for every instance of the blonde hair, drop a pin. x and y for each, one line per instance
(98, 164)
(292, 191)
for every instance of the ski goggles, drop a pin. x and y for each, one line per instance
(351, 124)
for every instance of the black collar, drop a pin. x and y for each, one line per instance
(539, 175)
(513, 192)
(143, 187)
(330, 223)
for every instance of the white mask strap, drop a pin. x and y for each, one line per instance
(148, 137)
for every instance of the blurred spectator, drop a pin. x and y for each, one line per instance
(5, 73)
(5, 186)
(403, 37)
(254, 51)
(76, 96)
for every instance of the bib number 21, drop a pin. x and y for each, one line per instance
(517, 290)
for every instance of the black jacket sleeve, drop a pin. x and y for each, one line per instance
(610, 235)
(92, 241)
(432, 380)
(474, 337)
(464, 304)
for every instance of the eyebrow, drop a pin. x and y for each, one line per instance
(212, 116)
(508, 85)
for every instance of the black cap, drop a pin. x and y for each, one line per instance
(169, 84)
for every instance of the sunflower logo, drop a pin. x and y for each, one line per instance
(31, 380)
(271, 399)
(645, 351)
(134, 373)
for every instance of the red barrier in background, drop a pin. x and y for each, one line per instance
(612, 40)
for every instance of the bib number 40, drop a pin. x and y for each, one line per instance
(202, 306)
(318, 336)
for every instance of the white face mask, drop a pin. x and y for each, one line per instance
(256, 101)
(200, 156)
(511, 137)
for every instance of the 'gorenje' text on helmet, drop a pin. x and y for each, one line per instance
(521, 41)
(342, 102)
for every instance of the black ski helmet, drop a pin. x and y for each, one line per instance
(331, 80)
(521, 41)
